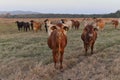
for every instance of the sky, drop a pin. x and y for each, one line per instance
(62, 6)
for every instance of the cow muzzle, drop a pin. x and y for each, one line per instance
(91, 35)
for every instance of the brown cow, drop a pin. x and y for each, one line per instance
(89, 37)
(100, 24)
(75, 24)
(57, 41)
(115, 23)
(36, 25)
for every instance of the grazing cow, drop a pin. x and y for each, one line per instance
(89, 37)
(20, 25)
(115, 23)
(75, 24)
(57, 41)
(36, 25)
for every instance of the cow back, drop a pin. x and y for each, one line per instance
(57, 39)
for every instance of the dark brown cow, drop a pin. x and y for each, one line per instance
(57, 41)
(75, 24)
(89, 37)
(115, 23)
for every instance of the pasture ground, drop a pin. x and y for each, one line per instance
(26, 56)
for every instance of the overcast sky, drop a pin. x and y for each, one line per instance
(62, 6)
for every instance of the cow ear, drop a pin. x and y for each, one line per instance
(95, 29)
(85, 29)
(65, 28)
(53, 28)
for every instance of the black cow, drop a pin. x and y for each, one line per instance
(20, 25)
(26, 26)
(23, 25)
(46, 25)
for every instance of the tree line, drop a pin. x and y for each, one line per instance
(110, 15)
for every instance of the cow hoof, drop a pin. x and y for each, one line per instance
(91, 52)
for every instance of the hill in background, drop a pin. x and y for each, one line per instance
(18, 12)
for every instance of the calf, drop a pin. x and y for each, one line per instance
(57, 41)
(89, 37)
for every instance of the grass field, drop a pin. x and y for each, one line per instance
(26, 56)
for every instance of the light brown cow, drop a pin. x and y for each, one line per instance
(67, 22)
(57, 41)
(36, 25)
(100, 24)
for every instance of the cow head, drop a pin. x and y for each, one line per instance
(31, 21)
(16, 21)
(51, 28)
(89, 31)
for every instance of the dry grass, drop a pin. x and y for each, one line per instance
(26, 56)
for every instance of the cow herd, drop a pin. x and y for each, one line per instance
(27, 26)
(23, 26)
(57, 33)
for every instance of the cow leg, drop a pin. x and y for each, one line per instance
(92, 46)
(76, 27)
(26, 29)
(55, 58)
(40, 28)
(46, 28)
(18, 28)
(29, 28)
(61, 59)
(85, 46)
(115, 26)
